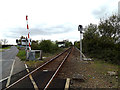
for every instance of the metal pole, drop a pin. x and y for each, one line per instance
(80, 47)
(80, 29)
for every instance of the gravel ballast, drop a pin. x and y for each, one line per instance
(83, 74)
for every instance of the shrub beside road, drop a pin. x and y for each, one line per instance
(22, 55)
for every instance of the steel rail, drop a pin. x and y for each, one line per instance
(51, 79)
(34, 70)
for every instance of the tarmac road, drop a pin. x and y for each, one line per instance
(9, 65)
(8, 56)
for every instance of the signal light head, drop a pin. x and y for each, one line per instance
(80, 28)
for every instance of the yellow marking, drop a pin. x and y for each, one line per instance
(31, 78)
(67, 84)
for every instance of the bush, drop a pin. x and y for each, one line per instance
(22, 54)
(48, 46)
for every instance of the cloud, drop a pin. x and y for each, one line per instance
(105, 9)
(100, 12)
(41, 30)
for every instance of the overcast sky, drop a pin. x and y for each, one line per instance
(51, 19)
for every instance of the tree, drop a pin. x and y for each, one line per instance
(35, 45)
(110, 28)
(48, 46)
(91, 38)
(77, 44)
(103, 41)
(22, 37)
(4, 41)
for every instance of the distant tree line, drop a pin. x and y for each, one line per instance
(102, 41)
(48, 46)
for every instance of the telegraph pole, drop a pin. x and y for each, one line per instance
(80, 28)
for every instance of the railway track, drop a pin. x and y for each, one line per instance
(42, 76)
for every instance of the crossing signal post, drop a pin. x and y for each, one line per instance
(80, 28)
(28, 33)
(30, 54)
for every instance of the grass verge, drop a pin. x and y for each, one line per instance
(34, 63)
(7, 47)
(2, 49)
(22, 55)
(101, 69)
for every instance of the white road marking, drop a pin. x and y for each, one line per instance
(8, 81)
(4, 79)
(31, 78)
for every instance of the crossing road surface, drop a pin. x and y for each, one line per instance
(6, 61)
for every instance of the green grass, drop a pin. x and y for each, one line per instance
(22, 55)
(102, 68)
(47, 54)
(106, 66)
(7, 47)
(33, 63)
(2, 49)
